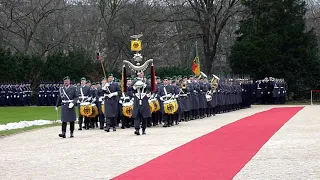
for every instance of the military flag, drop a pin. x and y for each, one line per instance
(124, 79)
(196, 62)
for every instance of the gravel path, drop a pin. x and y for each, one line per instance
(95, 154)
(292, 153)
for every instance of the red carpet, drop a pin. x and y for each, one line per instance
(220, 154)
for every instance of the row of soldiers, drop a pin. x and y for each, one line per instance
(270, 91)
(197, 98)
(15, 94)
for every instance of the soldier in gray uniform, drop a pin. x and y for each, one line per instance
(141, 109)
(100, 100)
(276, 93)
(111, 92)
(83, 96)
(202, 98)
(184, 100)
(165, 92)
(68, 98)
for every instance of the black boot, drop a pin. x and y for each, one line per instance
(143, 131)
(63, 135)
(107, 129)
(137, 132)
(71, 135)
(114, 129)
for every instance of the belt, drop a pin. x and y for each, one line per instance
(67, 101)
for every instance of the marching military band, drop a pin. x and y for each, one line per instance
(176, 99)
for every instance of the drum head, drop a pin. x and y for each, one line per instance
(127, 104)
(84, 104)
(168, 101)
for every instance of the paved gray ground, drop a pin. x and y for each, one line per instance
(95, 154)
(292, 153)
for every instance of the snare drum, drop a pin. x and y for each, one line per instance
(127, 109)
(170, 106)
(102, 107)
(154, 105)
(86, 109)
(95, 111)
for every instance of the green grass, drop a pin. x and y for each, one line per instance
(16, 114)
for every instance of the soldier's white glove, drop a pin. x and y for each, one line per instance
(56, 108)
(112, 94)
(177, 96)
(89, 98)
(71, 105)
(278, 92)
(148, 95)
(100, 99)
(161, 98)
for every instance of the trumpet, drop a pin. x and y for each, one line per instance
(183, 85)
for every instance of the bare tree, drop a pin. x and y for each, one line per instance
(21, 20)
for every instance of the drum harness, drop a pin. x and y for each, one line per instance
(83, 98)
(65, 94)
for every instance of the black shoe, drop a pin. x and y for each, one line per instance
(62, 135)
(107, 129)
(122, 127)
(165, 125)
(80, 129)
(137, 133)
(143, 131)
(71, 135)
(114, 129)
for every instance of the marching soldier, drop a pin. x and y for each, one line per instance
(165, 92)
(68, 98)
(83, 96)
(111, 90)
(126, 121)
(141, 109)
(100, 100)
(176, 91)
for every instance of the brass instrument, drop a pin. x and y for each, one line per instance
(184, 85)
(214, 82)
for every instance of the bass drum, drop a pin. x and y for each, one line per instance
(86, 109)
(127, 109)
(170, 106)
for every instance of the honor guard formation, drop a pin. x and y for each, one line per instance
(15, 94)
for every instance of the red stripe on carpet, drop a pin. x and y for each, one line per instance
(220, 154)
